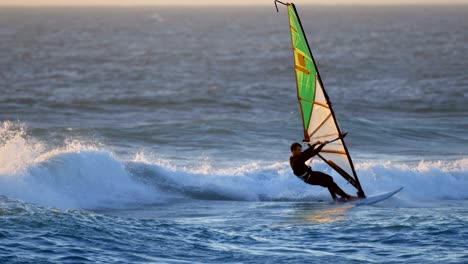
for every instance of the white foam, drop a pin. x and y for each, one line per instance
(74, 176)
(424, 181)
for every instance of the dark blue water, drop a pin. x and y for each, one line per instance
(162, 135)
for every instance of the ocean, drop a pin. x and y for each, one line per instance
(162, 134)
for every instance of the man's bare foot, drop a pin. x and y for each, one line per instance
(353, 198)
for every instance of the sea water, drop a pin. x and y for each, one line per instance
(161, 135)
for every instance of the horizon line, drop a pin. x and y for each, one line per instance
(235, 5)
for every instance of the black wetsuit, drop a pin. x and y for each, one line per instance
(309, 176)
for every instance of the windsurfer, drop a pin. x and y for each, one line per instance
(305, 173)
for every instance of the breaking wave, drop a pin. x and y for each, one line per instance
(78, 175)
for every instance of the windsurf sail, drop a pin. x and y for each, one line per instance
(318, 119)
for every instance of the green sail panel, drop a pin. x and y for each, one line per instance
(304, 68)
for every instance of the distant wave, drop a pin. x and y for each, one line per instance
(83, 176)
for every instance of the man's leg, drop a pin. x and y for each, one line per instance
(324, 180)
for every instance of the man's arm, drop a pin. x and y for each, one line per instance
(312, 151)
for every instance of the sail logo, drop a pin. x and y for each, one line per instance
(300, 64)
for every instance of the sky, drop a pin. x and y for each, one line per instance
(220, 2)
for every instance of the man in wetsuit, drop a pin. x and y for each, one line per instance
(305, 173)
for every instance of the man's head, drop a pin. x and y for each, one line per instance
(296, 148)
